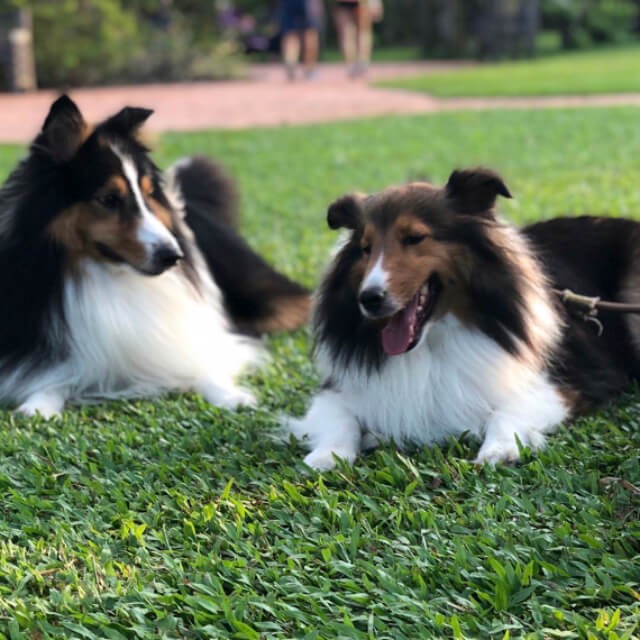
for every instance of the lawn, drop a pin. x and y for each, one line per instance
(380, 54)
(614, 70)
(177, 520)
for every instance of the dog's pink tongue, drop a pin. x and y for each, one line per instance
(397, 335)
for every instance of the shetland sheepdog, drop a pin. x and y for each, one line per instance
(437, 317)
(119, 281)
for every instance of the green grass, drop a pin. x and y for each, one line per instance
(380, 54)
(177, 520)
(592, 72)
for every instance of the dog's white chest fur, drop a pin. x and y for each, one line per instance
(136, 334)
(445, 386)
(456, 380)
(131, 335)
(423, 396)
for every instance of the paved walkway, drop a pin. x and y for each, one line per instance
(266, 99)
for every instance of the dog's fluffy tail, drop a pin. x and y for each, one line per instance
(258, 298)
(206, 187)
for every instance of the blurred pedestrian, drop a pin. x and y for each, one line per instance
(354, 20)
(300, 26)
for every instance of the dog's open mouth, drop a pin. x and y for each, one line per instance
(404, 329)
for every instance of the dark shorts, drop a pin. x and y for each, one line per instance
(296, 16)
(352, 6)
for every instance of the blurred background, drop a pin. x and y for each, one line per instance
(98, 42)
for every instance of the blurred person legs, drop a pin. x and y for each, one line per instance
(364, 38)
(353, 23)
(311, 46)
(345, 16)
(300, 26)
(291, 52)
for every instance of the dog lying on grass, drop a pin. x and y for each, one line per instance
(437, 317)
(119, 281)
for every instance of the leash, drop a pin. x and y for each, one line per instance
(591, 305)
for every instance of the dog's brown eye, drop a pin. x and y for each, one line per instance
(366, 249)
(416, 238)
(110, 200)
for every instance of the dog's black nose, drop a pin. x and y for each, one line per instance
(373, 299)
(165, 256)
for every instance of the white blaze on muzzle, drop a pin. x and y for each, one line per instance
(377, 277)
(373, 290)
(151, 233)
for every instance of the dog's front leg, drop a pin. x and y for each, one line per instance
(329, 429)
(46, 403)
(225, 394)
(526, 416)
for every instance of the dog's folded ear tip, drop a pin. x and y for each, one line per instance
(345, 212)
(127, 121)
(139, 112)
(475, 190)
(503, 190)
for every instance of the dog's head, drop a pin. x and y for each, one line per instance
(109, 199)
(414, 251)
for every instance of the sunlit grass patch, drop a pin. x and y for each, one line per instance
(582, 73)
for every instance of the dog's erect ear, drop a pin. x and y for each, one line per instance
(474, 191)
(345, 212)
(127, 121)
(64, 130)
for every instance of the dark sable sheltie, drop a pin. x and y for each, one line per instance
(118, 281)
(437, 317)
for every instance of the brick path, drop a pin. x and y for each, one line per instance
(267, 99)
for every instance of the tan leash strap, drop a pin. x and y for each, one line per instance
(591, 305)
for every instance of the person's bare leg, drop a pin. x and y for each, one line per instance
(347, 34)
(364, 40)
(291, 52)
(311, 44)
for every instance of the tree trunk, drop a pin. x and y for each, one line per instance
(528, 26)
(506, 28)
(489, 29)
(17, 51)
(440, 27)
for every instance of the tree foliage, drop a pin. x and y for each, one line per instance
(102, 41)
(509, 28)
(585, 22)
(80, 42)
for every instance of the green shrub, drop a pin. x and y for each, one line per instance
(584, 22)
(611, 20)
(80, 42)
(90, 42)
(176, 54)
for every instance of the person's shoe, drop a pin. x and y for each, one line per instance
(290, 70)
(358, 69)
(311, 74)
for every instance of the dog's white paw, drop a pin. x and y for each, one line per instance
(241, 398)
(498, 452)
(295, 426)
(228, 397)
(325, 459)
(46, 405)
